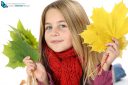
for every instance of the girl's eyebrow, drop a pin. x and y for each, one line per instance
(48, 23)
(61, 21)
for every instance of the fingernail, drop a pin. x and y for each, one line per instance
(28, 57)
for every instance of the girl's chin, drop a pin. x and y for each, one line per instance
(60, 49)
(57, 50)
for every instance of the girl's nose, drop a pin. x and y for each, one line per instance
(55, 32)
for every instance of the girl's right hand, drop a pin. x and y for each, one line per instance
(37, 68)
(31, 66)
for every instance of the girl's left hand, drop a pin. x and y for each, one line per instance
(112, 52)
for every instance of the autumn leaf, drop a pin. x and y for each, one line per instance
(106, 26)
(20, 46)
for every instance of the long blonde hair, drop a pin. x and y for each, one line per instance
(77, 20)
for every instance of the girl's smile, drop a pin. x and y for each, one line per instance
(56, 41)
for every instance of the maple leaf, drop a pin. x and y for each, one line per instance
(106, 26)
(27, 35)
(23, 44)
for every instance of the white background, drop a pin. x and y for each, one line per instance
(30, 17)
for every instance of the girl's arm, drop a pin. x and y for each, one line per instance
(104, 78)
(105, 74)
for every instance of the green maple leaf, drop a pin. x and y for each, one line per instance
(23, 44)
(27, 35)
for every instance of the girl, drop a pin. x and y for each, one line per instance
(64, 60)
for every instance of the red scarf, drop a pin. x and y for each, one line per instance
(65, 66)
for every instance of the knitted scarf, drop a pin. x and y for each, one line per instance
(65, 66)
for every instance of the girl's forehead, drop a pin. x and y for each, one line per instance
(54, 15)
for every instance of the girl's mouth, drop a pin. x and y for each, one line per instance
(56, 41)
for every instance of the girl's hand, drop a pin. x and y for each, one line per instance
(37, 68)
(31, 66)
(112, 52)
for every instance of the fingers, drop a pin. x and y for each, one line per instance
(27, 60)
(110, 54)
(113, 47)
(115, 41)
(31, 66)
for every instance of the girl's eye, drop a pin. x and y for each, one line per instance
(48, 27)
(62, 26)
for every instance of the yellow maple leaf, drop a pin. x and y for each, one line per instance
(106, 26)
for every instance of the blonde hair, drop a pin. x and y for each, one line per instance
(77, 20)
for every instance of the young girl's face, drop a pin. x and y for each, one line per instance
(57, 34)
